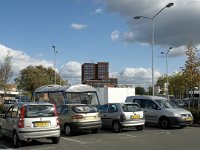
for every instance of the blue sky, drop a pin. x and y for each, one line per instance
(95, 31)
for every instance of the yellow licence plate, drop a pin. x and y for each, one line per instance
(90, 118)
(188, 119)
(136, 117)
(41, 124)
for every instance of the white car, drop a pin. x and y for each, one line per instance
(27, 121)
(161, 111)
(122, 115)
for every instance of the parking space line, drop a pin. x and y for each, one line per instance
(73, 140)
(43, 148)
(127, 136)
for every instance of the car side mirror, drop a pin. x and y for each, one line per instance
(156, 107)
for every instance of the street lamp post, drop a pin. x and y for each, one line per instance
(167, 86)
(55, 52)
(152, 19)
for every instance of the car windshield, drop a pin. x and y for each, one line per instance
(84, 109)
(130, 107)
(166, 103)
(39, 111)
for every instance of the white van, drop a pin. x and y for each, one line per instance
(163, 112)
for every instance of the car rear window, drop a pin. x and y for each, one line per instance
(39, 111)
(131, 108)
(83, 109)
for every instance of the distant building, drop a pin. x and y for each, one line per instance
(97, 75)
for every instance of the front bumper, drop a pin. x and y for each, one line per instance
(178, 121)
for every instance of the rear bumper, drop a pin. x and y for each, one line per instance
(86, 125)
(132, 123)
(38, 134)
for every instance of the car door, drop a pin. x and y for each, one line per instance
(59, 110)
(103, 111)
(151, 111)
(112, 114)
(6, 124)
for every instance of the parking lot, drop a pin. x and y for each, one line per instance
(151, 138)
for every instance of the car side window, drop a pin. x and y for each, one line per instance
(59, 109)
(149, 104)
(140, 102)
(112, 108)
(9, 113)
(103, 109)
(65, 110)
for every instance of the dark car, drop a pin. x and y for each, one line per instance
(179, 102)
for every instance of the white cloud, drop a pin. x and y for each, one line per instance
(98, 11)
(115, 35)
(129, 36)
(174, 26)
(21, 60)
(77, 26)
(71, 70)
(136, 76)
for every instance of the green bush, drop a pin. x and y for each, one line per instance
(196, 115)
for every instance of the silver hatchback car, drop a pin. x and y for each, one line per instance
(77, 117)
(7, 103)
(27, 121)
(122, 115)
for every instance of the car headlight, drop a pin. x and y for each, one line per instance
(177, 115)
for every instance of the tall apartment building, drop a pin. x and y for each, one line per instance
(97, 75)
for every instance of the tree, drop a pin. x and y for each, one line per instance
(33, 77)
(6, 72)
(161, 83)
(140, 91)
(190, 71)
(177, 87)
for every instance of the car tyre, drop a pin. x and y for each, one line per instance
(55, 140)
(117, 127)
(68, 130)
(164, 123)
(95, 130)
(139, 128)
(16, 141)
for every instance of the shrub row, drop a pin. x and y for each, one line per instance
(196, 115)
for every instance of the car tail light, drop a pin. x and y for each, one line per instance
(56, 114)
(122, 117)
(21, 118)
(77, 117)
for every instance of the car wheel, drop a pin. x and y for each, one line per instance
(95, 130)
(139, 128)
(55, 140)
(16, 141)
(68, 131)
(164, 123)
(117, 127)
